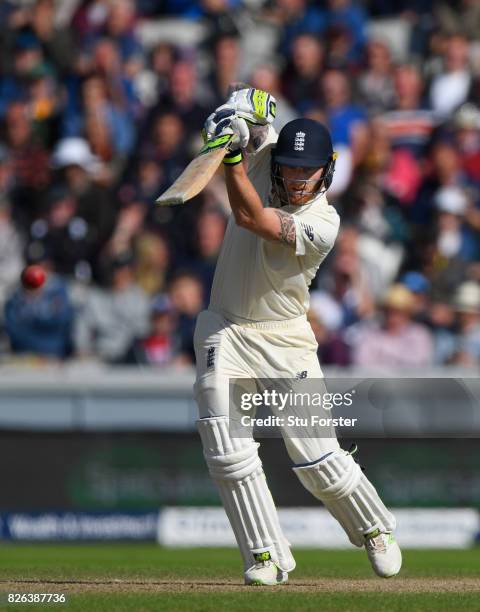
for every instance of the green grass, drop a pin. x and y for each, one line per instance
(263, 602)
(147, 563)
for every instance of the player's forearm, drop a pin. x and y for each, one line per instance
(246, 204)
(270, 224)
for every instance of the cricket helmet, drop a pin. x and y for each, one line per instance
(303, 143)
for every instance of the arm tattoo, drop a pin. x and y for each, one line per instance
(287, 232)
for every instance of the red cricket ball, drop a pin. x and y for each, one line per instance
(33, 277)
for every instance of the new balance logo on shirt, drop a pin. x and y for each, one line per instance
(308, 229)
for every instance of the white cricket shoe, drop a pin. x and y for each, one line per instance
(384, 553)
(265, 572)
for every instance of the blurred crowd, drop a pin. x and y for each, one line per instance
(101, 106)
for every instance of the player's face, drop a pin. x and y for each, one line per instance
(301, 184)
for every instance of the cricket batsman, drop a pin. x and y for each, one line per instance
(281, 229)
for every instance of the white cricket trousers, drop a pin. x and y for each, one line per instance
(276, 349)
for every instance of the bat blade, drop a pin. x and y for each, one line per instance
(197, 174)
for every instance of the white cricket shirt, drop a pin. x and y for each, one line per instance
(259, 280)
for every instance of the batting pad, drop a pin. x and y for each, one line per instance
(346, 492)
(236, 468)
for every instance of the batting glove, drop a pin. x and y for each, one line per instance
(254, 105)
(224, 121)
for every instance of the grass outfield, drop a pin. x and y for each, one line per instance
(141, 577)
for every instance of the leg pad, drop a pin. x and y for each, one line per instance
(346, 492)
(236, 468)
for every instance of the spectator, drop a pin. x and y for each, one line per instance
(227, 62)
(152, 82)
(29, 162)
(44, 106)
(373, 262)
(397, 341)
(167, 148)
(187, 297)
(295, 17)
(300, 79)
(57, 42)
(23, 56)
(409, 124)
(441, 321)
(77, 168)
(130, 221)
(119, 27)
(211, 225)
(345, 297)
(332, 348)
(112, 318)
(467, 307)
(444, 169)
(347, 121)
(11, 259)
(454, 238)
(107, 126)
(89, 20)
(267, 78)
(147, 179)
(377, 215)
(451, 88)
(160, 346)
(419, 287)
(107, 64)
(184, 96)
(108, 19)
(152, 262)
(65, 234)
(38, 321)
(376, 82)
(467, 124)
(348, 16)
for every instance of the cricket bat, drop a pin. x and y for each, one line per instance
(197, 174)
(200, 170)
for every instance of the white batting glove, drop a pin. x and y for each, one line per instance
(225, 121)
(254, 105)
